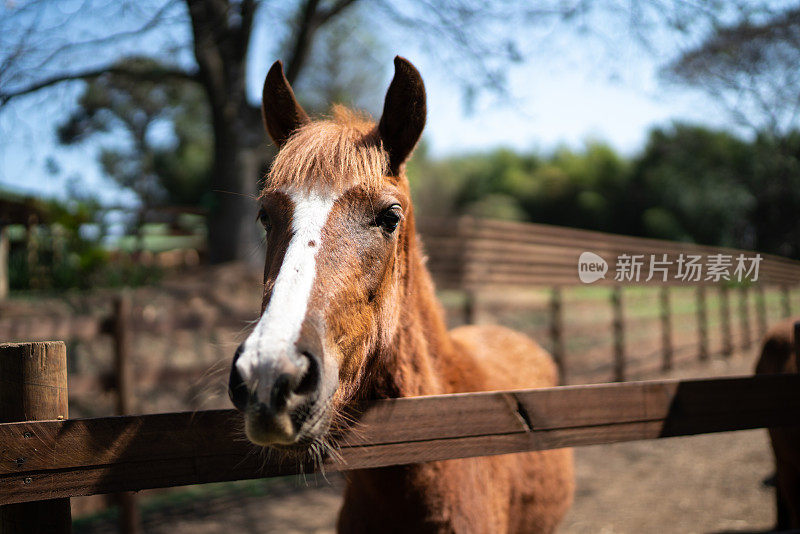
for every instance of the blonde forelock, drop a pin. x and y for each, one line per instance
(332, 154)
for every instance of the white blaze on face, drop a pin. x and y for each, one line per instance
(271, 345)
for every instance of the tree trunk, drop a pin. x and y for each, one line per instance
(220, 44)
(232, 184)
(221, 31)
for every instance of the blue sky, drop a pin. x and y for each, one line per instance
(568, 94)
(554, 106)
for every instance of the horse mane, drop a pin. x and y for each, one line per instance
(344, 150)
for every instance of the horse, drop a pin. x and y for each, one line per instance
(778, 356)
(349, 314)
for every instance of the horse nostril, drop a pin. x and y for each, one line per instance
(237, 390)
(286, 384)
(310, 379)
(280, 392)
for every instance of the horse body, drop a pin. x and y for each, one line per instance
(777, 356)
(349, 314)
(523, 493)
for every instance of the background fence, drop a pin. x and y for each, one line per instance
(468, 253)
(597, 333)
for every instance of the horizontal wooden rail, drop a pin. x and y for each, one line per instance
(45, 460)
(52, 327)
(466, 252)
(87, 328)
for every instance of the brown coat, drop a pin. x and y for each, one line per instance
(778, 356)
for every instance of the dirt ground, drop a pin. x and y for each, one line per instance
(710, 483)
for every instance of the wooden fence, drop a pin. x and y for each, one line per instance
(479, 253)
(46, 462)
(747, 314)
(750, 312)
(684, 324)
(479, 256)
(120, 325)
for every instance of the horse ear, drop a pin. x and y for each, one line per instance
(280, 110)
(404, 112)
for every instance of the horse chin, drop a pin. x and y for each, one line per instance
(307, 447)
(297, 434)
(301, 451)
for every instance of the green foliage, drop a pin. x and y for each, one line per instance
(166, 158)
(66, 254)
(775, 187)
(568, 188)
(700, 178)
(688, 184)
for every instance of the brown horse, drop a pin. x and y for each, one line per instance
(778, 356)
(349, 313)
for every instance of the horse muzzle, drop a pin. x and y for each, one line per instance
(281, 398)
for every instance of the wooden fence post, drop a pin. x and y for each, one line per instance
(121, 333)
(557, 333)
(702, 323)
(470, 307)
(666, 330)
(786, 303)
(618, 326)
(761, 310)
(797, 345)
(34, 388)
(32, 251)
(129, 519)
(725, 321)
(744, 316)
(4, 250)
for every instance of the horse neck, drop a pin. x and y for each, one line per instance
(420, 360)
(414, 362)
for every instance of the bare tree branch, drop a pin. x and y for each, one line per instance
(152, 23)
(247, 11)
(205, 27)
(306, 26)
(335, 9)
(151, 74)
(310, 20)
(751, 67)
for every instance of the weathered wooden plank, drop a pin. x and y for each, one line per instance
(77, 457)
(537, 253)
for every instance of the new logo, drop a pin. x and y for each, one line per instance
(591, 267)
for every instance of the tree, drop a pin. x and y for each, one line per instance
(775, 185)
(751, 68)
(220, 33)
(207, 42)
(714, 188)
(693, 184)
(342, 67)
(587, 189)
(158, 171)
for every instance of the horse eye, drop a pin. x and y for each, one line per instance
(389, 218)
(264, 219)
